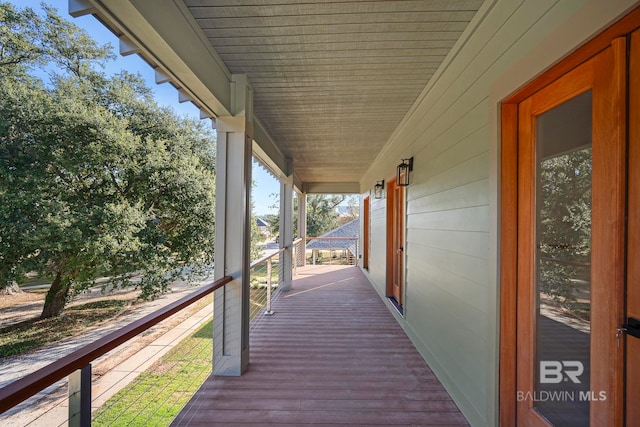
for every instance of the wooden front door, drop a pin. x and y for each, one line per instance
(571, 188)
(633, 238)
(570, 239)
(575, 246)
(395, 242)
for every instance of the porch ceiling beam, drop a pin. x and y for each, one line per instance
(166, 36)
(298, 185)
(331, 187)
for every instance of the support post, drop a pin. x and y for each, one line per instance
(80, 397)
(233, 234)
(286, 233)
(302, 227)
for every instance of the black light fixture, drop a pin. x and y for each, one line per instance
(403, 172)
(378, 190)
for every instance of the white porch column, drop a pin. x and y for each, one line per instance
(302, 225)
(233, 234)
(286, 233)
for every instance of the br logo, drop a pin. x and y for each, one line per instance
(554, 371)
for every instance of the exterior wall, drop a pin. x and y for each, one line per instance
(378, 243)
(451, 290)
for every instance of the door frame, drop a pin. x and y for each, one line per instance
(396, 216)
(509, 211)
(366, 231)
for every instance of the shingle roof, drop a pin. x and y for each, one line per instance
(350, 229)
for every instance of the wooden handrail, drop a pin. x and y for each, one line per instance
(29, 385)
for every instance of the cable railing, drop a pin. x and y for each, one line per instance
(333, 250)
(77, 366)
(265, 275)
(31, 391)
(299, 255)
(264, 272)
(165, 376)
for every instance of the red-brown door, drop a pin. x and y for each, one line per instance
(633, 239)
(571, 247)
(395, 242)
(570, 239)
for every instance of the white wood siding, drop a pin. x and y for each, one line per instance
(451, 294)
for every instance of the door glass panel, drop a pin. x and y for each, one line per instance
(563, 240)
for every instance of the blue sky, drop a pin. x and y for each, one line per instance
(165, 94)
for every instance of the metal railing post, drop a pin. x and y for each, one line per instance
(80, 397)
(330, 250)
(268, 312)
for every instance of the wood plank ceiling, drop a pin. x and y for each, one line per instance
(333, 78)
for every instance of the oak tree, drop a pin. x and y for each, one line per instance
(95, 177)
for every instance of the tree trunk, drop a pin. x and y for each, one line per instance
(56, 298)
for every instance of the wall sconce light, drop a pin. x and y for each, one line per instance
(378, 190)
(403, 172)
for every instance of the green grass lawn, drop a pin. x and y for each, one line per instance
(156, 396)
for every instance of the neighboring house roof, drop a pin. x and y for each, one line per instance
(350, 229)
(262, 223)
(343, 210)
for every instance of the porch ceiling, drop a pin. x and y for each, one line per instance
(332, 79)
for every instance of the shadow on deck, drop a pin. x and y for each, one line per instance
(331, 355)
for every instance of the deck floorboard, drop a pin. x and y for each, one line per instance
(331, 355)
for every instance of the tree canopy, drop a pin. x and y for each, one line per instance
(95, 176)
(322, 214)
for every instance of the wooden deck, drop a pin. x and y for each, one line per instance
(331, 355)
